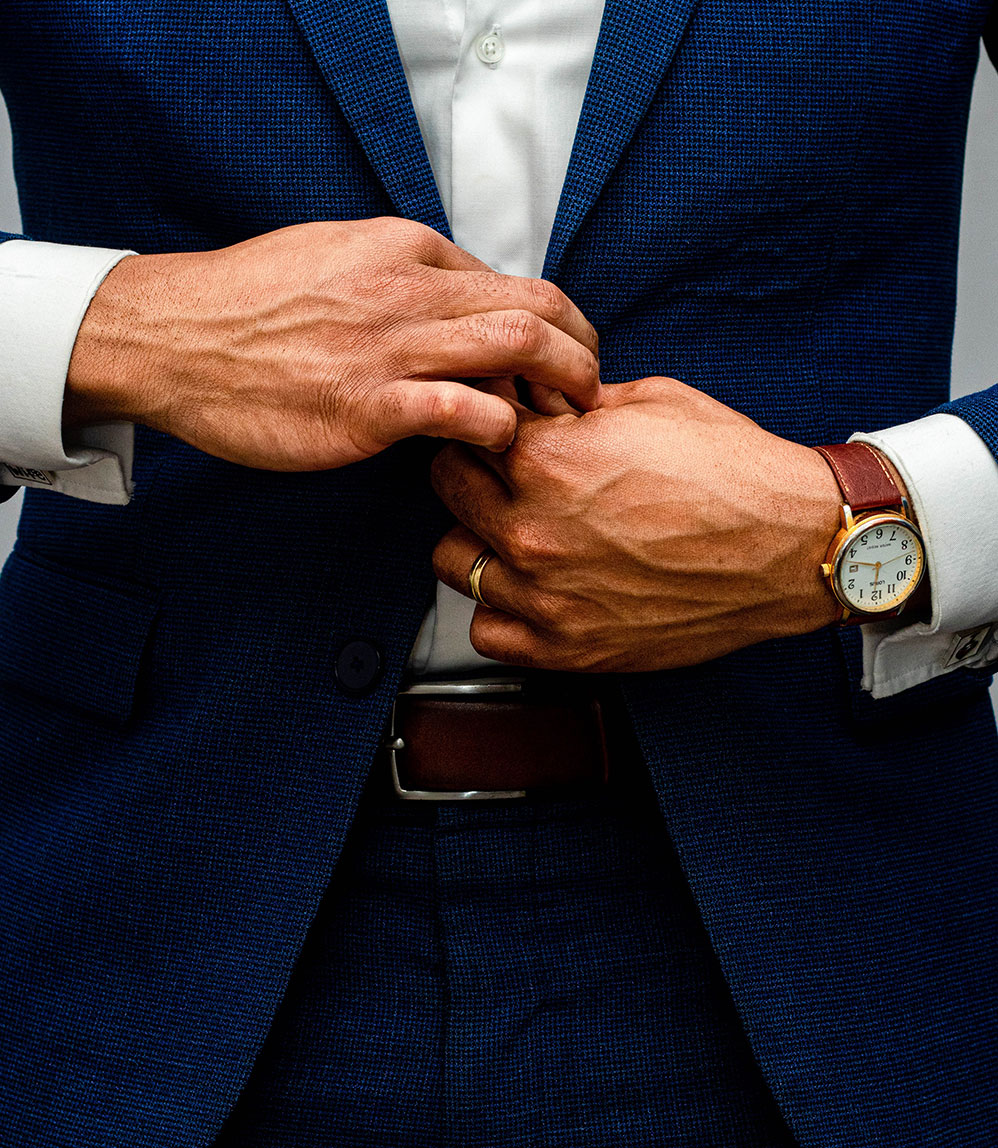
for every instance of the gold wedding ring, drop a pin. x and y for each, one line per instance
(475, 575)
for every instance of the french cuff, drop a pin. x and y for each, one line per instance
(45, 290)
(952, 481)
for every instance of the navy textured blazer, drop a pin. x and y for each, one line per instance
(762, 201)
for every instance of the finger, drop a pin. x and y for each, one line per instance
(509, 343)
(506, 638)
(436, 250)
(473, 292)
(546, 401)
(504, 387)
(440, 408)
(473, 493)
(654, 388)
(453, 559)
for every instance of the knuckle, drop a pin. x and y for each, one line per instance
(402, 230)
(521, 332)
(526, 545)
(441, 407)
(658, 384)
(589, 371)
(547, 299)
(407, 241)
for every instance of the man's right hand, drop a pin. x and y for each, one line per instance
(321, 344)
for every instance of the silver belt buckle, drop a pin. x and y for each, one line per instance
(395, 744)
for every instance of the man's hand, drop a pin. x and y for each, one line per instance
(662, 530)
(321, 344)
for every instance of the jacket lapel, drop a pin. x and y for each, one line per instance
(637, 42)
(355, 49)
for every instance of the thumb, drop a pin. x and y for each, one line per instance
(442, 409)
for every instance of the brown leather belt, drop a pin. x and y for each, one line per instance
(468, 741)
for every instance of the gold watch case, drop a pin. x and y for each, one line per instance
(853, 528)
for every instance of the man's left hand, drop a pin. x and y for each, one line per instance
(662, 530)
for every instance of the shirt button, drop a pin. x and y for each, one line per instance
(489, 47)
(357, 667)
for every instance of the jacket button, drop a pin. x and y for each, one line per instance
(358, 667)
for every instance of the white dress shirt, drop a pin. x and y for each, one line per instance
(497, 86)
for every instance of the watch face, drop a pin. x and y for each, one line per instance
(879, 565)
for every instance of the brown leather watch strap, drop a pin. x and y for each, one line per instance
(863, 476)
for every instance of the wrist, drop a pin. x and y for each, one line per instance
(113, 367)
(875, 565)
(815, 517)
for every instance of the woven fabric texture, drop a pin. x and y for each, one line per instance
(763, 201)
(462, 984)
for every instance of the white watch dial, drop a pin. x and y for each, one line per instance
(879, 566)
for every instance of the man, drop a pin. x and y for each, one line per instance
(760, 204)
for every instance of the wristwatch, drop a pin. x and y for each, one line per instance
(876, 562)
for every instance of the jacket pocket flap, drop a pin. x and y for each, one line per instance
(72, 639)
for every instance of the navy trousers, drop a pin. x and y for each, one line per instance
(508, 973)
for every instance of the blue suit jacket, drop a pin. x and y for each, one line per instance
(763, 202)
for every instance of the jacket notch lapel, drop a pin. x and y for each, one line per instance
(637, 42)
(355, 48)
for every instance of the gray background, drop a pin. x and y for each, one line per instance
(975, 352)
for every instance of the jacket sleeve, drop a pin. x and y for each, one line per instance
(949, 461)
(980, 412)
